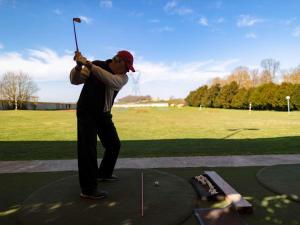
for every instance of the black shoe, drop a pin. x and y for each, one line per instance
(97, 195)
(110, 178)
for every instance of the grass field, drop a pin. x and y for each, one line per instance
(269, 208)
(149, 132)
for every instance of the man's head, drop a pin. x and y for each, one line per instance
(122, 62)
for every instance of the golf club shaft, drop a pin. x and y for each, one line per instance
(75, 37)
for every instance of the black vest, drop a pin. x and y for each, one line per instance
(92, 96)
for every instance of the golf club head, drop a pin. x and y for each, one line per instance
(78, 20)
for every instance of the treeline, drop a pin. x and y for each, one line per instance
(264, 97)
(244, 87)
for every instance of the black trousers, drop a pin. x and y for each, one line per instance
(90, 126)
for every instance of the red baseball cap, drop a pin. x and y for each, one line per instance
(128, 58)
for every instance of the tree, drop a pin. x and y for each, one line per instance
(1, 91)
(262, 97)
(265, 77)
(240, 100)
(295, 96)
(254, 76)
(200, 93)
(195, 98)
(226, 95)
(292, 77)
(217, 80)
(271, 66)
(211, 94)
(280, 102)
(241, 76)
(17, 88)
(190, 98)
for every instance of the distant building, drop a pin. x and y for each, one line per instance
(138, 105)
(4, 105)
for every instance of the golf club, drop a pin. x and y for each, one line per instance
(78, 20)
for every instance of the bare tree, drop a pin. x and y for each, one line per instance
(17, 88)
(271, 66)
(217, 80)
(265, 77)
(254, 76)
(292, 76)
(241, 76)
(1, 90)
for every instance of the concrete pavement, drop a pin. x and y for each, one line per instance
(161, 162)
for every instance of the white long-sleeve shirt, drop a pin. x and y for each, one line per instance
(113, 82)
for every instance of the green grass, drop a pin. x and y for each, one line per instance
(269, 208)
(150, 132)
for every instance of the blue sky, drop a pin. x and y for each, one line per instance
(178, 45)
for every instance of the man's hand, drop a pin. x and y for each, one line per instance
(76, 55)
(80, 59)
(78, 67)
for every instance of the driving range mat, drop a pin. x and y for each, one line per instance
(282, 179)
(168, 200)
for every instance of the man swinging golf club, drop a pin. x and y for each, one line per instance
(102, 81)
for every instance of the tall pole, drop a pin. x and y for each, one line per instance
(288, 103)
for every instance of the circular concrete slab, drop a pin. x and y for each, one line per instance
(59, 203)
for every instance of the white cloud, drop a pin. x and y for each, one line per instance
(46, 65)
(247, 21)
(203, 21)
(1, 46)
(162, 29)
(251, 36)
(42, 64)
(296, 32)
(198, 71)
(57, 11)
(106, 4)
(172, 7)
(176, 79)
(86, 19)
(51, 72)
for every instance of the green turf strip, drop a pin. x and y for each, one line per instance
(269, 208)
(154, 132)
(282, 179)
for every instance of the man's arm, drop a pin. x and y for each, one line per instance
(115, 81)
(78, 75)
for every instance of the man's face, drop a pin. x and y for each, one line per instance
(120, 66)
